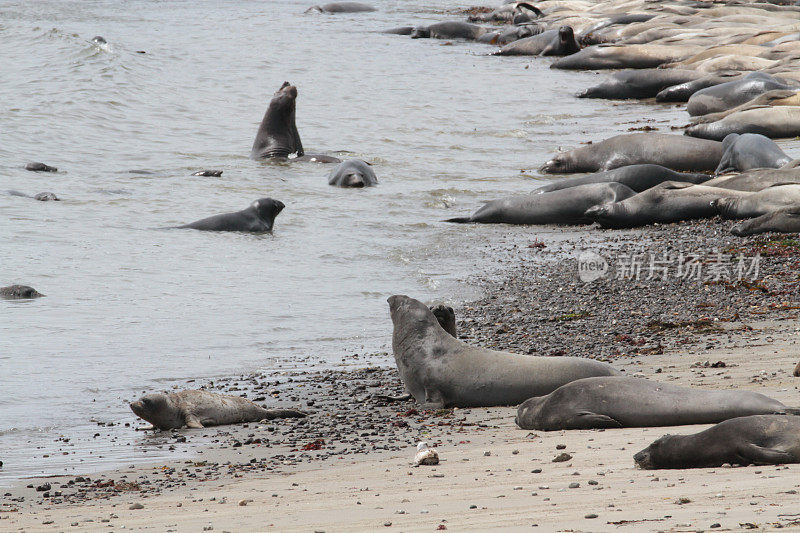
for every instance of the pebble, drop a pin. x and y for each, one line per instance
(590, 515)
(242, 503)
(574, 485)
(562, 457)
(561, 446)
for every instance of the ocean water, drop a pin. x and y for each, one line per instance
(130, 307)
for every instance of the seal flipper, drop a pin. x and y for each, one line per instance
(589, 420)
(758, 454)
(192, 422)
(459, 220)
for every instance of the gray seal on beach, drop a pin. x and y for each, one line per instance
(733, 93)
(341, 7)
(277, 135)
(786, 220)
(758, 439)
(758, 203)
(676, 152)
(564, 206)
(617, 402)
(774, 122)
(638, 177)
(560, 42)
(449, 30)
(353, 173)
(612, 56)
(199, 409)
(638, 83)
(440, 371)
(19, 292)
(748, 151)
(257, 218)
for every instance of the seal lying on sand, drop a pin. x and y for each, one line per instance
(441, 371)
(639, 83)
(757, 179)
(19, 292)
(759, 439)
(353, 173)
(671, 151)
(565, 206)
(199, 409)
(637, 177)
(759, 203)
(616, 402)
(774, 122)
(665, 203)
(612, 56)
(449, 30)
(749, 151)
(733, 93)
(560, 42)
(257, 218)
(683, 91)
(785, 220)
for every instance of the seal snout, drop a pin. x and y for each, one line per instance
(643, 459)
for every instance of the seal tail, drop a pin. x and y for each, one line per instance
(459, 220)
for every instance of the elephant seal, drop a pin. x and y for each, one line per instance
(515, 12)
(627, 402)
(638, 177)
(198, 409)
(400, 30)
(257, 218)
(785, 220)
(40, 167)
(668, 202)
(42, 196)
(277, 135)
(671, 151)
(616, 20)
(683, 91)
(446, 317)
(758, 439)
(19, 292)
(773, 122)
(441, 371)
(353, 173)
(560, 42)
(755, 204)
(732, 93)
(449, 30)
(756, 179)
(640, 83)
(341, 7)
(509, 35)
(613, 56)
(749, 151)
(564, 206)
(778, 97)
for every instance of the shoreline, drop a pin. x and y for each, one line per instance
(353, 439)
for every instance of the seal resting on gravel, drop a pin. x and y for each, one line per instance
(616, 402)
(749, 151)
(786, 220)
(199, 409)
(440, 371)
(759, 439)
(638, 177)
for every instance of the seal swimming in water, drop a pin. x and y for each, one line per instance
(748, 151)
(353, 173)
(449, 30)
(671, 151)
(638, 177)
(758, 439)
(199, 409)
(40, 167)
(257, 218)
(19, 292)
(564, 206)
(619, 401)
(42, 196)
(277, 135)
(341, 7)
(668, 202)
(440, 371)
(786, 220)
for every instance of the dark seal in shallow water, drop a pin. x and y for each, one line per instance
(19, 292)
(258, 218)
(277, 135)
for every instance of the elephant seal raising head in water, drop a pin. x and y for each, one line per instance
(440, 371)
(564, 206)
(277, 135)
(199, 409)
(748, 151)
(786, 220)
(758, 439)
(258, 218)
(676, 152)
(353, 173)
(19, 292)
(617, 402)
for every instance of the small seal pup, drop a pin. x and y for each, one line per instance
(353, 173)
(258, 218)
(199, 409)
(440, 371)
(759, 439)
(19, 292)
(619, 401)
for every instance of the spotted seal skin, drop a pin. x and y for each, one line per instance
(258, 218)
(676, 152)
(353, 173)
(748, 151)
(440, 371)
(40, 167)
(786, 220)
(758, 439)
(637, 177)
(564, 206)
(617, 402)
(277, 135)
(198, 409)
(19, 292)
